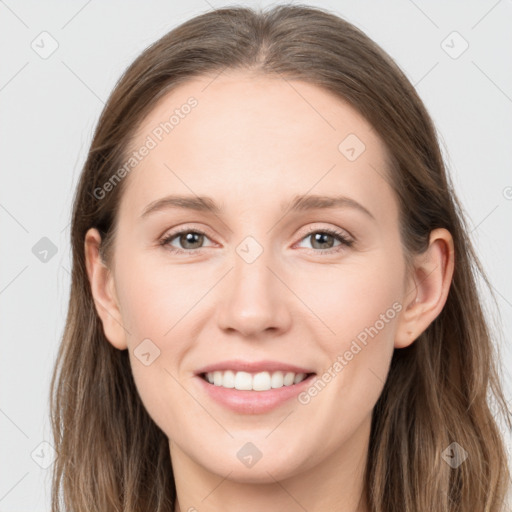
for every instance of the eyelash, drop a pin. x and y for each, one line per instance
(344, 241)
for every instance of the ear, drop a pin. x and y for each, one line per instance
(427, 288)
(101, 280)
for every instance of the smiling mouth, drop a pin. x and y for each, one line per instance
(259, 381)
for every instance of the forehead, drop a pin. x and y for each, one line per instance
(256, 138)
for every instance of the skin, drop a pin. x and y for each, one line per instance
(252, 143)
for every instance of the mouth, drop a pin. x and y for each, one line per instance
(257, 392)
(253, 387)
(254, 381)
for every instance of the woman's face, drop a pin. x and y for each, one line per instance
(256, 276)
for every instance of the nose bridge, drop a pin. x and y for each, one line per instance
(252, 280)
(251, 272)
(253, 297)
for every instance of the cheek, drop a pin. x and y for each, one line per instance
(351, 297)
(154, 298)
(360, 305)
(163, 309)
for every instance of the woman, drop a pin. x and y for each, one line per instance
(273, 301)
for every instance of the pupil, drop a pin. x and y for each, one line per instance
(189, 239)
(320, 238)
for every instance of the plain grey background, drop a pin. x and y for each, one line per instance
(60, 61)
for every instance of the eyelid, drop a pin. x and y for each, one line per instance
(318, 227)
(170, 234)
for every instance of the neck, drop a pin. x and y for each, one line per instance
(337, 484)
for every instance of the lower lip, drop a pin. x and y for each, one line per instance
(253, 402)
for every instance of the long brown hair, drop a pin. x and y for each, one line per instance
(440, 390)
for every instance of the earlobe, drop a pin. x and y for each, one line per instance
(103, 290)
(428, 288)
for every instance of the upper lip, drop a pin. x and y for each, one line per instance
(238, 365)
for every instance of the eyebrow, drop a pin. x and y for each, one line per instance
(298, 203)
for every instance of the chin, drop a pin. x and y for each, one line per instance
(266, 469)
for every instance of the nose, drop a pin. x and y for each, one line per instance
(254, 299)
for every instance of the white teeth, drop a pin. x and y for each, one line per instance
(288, 379)
(217, 378)
(261, 381)
(228, 379)
(299, 378)
(243, 381)
(276, 381)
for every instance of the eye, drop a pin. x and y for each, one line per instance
(323, 239)
(190, 240)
